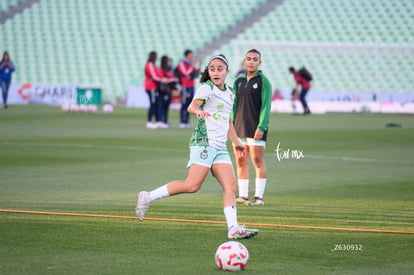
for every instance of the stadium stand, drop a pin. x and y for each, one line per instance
(5, 5)
(106, 42)
(378, 25)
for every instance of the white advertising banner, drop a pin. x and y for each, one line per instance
(47, 94)
(137, 97)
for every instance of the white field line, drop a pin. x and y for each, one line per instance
(94, 146)
(185, 149)
(344, 158)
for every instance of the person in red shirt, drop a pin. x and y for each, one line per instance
(165, 89)
(187, 73)
(151, 87)
(305, 86)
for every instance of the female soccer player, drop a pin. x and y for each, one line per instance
(212, 105)
(253, 98)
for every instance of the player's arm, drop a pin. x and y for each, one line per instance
(194, 109)
(234, 110)
(232, 135)
(265, 110)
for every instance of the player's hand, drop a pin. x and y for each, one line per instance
(258, 134)
(202, 114)
(241, 149)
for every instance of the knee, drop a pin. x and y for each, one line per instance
(230, 188)
(258, 162)
(192, 187)
(242, 162)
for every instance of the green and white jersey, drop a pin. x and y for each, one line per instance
(212, 131)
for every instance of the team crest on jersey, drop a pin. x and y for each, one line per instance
(255, 86)
(204, 154)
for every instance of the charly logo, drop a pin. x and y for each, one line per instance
(282, 153)
(24, 91)
(69, 96)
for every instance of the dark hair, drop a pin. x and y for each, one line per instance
(152, 57)
(5, 53)
(187, 52)
(205, 75)
(291, 69)
(164, 63)
(254, 51)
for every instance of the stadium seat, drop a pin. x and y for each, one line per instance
(107, 42)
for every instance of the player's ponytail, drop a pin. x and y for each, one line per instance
(205, 76)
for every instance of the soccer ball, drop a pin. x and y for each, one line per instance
(232, 256)
(92, 108)
(65, 108)
(74, 108)
(107, 108)
(83, 108)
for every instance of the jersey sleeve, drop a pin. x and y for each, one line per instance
(266, 104)
(234, 110)
(203, 92)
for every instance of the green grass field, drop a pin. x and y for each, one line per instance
(355, 173)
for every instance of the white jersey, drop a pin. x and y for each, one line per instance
(212, 131)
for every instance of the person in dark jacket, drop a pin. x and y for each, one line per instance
(251, 112)
(305, 86)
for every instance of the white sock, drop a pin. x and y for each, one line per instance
(159, 193)
(230, 212)
(260, 187)
(243, 188)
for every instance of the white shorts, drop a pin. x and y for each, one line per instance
(253, 142)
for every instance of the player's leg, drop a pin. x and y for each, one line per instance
(3, 91)
(183, 110)
(303, 101)
(242, 167)
(225, 175)
(257, 157)
(187, 96)
(196, 176)
(151, 109)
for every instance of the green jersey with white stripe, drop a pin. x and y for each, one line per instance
(212, 131)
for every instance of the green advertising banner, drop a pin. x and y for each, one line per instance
(88, 95)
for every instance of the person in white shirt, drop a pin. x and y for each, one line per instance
(212, 105)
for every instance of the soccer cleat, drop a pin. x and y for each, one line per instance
(243, 200)
(142, 205)
(257, 201)
(241, 232)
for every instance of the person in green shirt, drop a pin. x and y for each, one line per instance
(251, 111)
